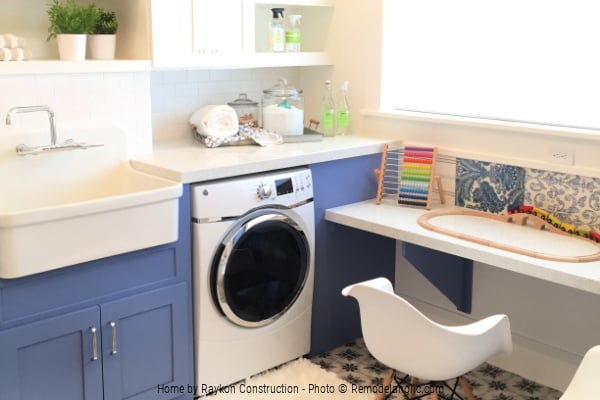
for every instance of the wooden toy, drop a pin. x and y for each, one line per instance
(409, 175)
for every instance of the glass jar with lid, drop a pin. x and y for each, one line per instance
(283, 109)
(246, 110)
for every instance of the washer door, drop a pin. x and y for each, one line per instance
(261, 268)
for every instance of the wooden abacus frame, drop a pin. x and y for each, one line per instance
(414, 178)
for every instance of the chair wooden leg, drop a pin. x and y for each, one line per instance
(466, 387)
(386, 383)
(411, 390)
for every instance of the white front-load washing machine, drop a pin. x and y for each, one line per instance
(253, 261)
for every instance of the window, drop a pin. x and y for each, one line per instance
(518, 60)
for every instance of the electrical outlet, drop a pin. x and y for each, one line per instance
(561, 156)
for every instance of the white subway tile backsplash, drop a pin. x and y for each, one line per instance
(241, 75)
(177, 94)
(174, 76)
(220, 75)
(82, 101)
(143, 104)
(199, 75)
(187, 89)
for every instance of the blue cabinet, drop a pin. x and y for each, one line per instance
(52, 359)
(144, 344)
(109, 329)
(118, 350)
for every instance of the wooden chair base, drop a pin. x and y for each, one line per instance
(466, 387)
(387, 382)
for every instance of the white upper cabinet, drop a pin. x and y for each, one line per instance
(178, 34)
(196, 33)
(234, 33)
(217, 27)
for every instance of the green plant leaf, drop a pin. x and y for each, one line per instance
(71, 18)
(106, 22)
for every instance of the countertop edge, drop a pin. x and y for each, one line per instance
(187, 161)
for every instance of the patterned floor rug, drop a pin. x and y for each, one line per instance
(354, 364)
(299, 379)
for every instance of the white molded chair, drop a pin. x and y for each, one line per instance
(401, 337)
(586, 381)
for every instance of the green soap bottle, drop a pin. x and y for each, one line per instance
(327, 111)
(292, 35)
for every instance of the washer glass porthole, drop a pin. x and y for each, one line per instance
(262, 270)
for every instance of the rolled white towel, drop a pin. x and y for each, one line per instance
(216, 121)
(11, 41)
(14, 54)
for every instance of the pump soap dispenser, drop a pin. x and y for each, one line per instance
(277, 31)
(292, 35)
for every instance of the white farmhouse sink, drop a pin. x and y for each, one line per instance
(65, 208)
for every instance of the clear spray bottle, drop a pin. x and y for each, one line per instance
(342, 112)
(328, 111)
(277, 31)
(292, 35)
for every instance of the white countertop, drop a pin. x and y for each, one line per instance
(186, 160)
(400, 223)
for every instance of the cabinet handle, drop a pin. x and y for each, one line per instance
(94, 343)
(113, 326)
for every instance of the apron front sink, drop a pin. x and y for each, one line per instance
(62, 209)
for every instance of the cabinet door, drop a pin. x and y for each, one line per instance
(52, 359)
(146, 343)
(217, 27)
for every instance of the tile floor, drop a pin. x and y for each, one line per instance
(353, 363)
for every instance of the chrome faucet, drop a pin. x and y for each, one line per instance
(23, 149)
(28, 109)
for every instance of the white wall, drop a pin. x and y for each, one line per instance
(82, 101)
(553, 325)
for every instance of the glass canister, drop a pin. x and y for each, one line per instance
(246, 110)
(283, 109)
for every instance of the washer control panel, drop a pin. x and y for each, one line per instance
(235, 196)
(297, 183)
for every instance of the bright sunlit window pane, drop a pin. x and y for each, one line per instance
(519, 60)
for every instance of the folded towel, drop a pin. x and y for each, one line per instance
(218, 121)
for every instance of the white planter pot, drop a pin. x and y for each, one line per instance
(102, 47)
(71, 46)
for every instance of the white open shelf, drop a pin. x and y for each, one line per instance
(302, 3)
(72, 67)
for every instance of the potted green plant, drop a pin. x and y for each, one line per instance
(69, 24)
(102, 41)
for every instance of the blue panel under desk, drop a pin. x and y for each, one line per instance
(344, 255)
(452, 275)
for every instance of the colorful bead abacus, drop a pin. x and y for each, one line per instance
(410, 173)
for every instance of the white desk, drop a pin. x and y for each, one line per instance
(400, 223)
